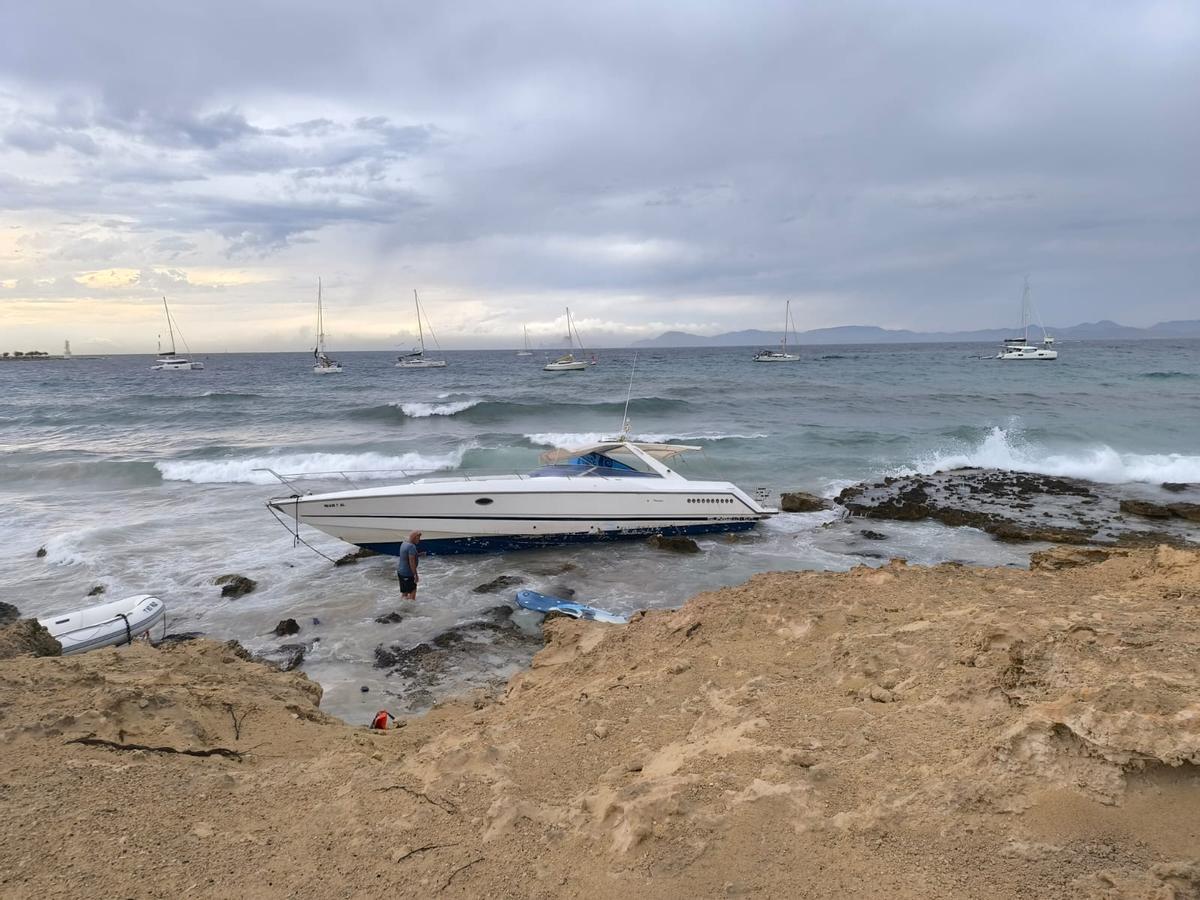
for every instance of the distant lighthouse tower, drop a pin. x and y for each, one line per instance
(66, 349)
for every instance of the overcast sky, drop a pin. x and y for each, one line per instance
(674, 165)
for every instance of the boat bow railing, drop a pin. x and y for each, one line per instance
(355, 476)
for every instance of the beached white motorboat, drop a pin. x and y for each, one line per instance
(1020, 347)
(417, 359)
(567, 362)
(106, 624)
(170, 361)
(613, 489)
(780, 355)
(324, 365)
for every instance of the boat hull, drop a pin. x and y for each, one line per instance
(423, 364)
(479, 517)
(565, 367)
(327, 370)
(1036, 354)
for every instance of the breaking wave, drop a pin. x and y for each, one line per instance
(247, 470)
(424, 410)
(1004, 449)
(485, 412)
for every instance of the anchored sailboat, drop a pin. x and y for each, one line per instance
(324, 365)
(1020, 348)
(526, 351)
(170, 361)
(567, 362)
(781, 355)
(417, 359)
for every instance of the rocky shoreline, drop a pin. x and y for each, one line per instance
(1021, 507)
(901, 731)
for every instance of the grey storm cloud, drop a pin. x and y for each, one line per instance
(894, 163)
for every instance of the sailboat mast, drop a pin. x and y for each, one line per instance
(320, 320)
(525, 328)
(1025, 310)
(420, 329)
(570, 332)
(170, 327)
(787, 314)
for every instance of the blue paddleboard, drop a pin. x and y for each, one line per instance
(544, 604)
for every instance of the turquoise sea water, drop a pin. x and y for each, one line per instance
(149, 482)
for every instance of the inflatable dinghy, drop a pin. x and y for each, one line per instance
(106, 624)
(543, 603)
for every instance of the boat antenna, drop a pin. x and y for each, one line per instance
(628, 394)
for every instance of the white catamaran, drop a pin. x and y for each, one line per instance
(417, 359)
(567, 362)
(324, 365)
(781, 355)
(1019, 347)
(525, 351)
(170, 361)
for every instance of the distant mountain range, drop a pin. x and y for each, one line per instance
(870, 334)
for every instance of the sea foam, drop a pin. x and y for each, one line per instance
(1003, 449)
(247, 470)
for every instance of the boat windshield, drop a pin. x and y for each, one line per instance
(592, 465)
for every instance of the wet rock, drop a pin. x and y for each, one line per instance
(1175, 487)
(285, 657)
(354, 556)
(873, 535)
(235, 649)
(1011, 506)
(233, 586)
(97, 591)
(562, 592)
(1145, 509)
(1069, 557)
(179, 637)
(499, 583)
(548, 570)
(41, 553)
(1153, 539)
(392, 618)
(27, 637)
(471, 653)
(673, 543)
(799, 501)
(1014, 533)
(286, 627)
(1189, 511)
(8, 614)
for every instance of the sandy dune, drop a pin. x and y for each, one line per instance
(897, 732)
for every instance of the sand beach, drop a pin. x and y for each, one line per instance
(900, 731)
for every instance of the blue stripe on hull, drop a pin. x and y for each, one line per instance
(510, 543)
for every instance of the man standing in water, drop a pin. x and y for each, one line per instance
(406, 568)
